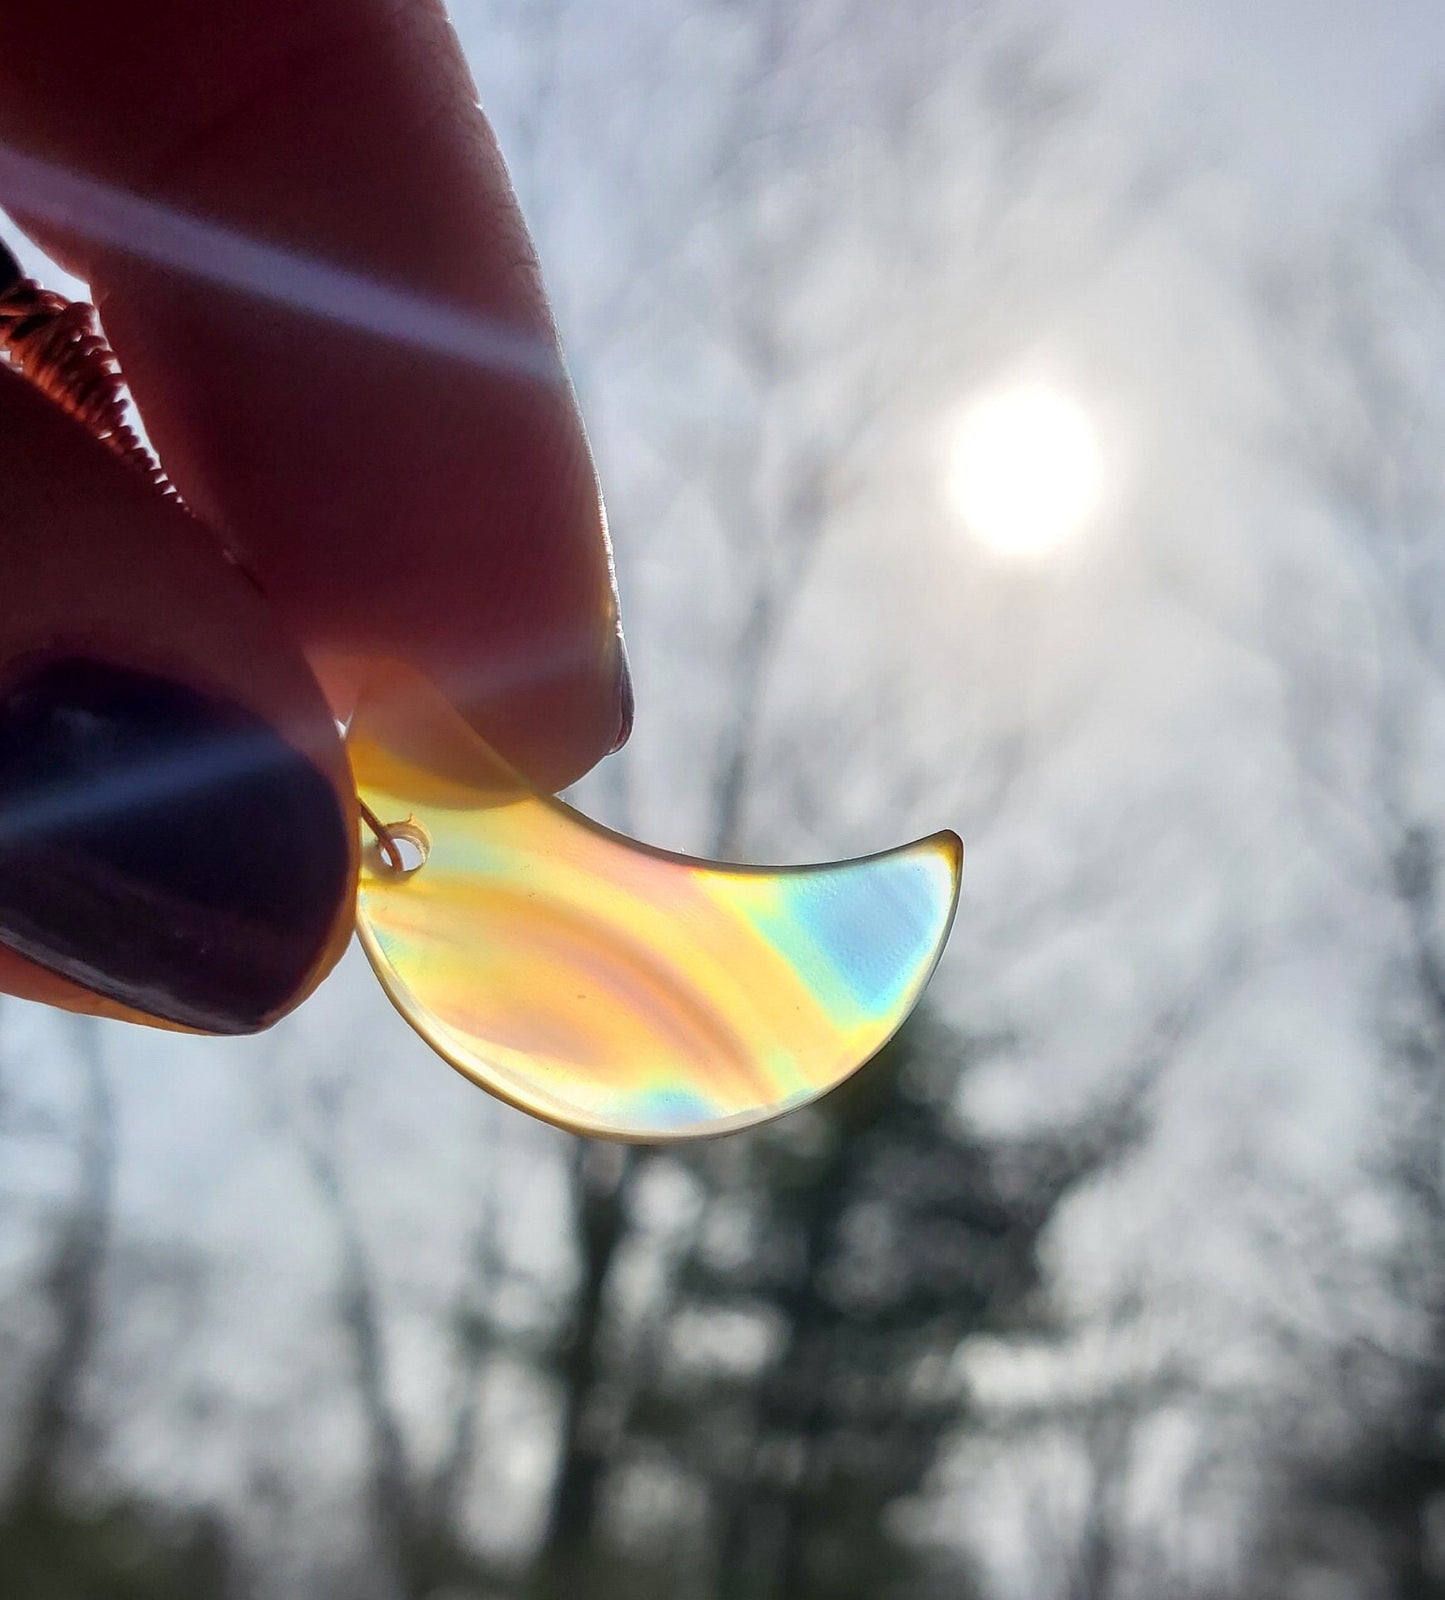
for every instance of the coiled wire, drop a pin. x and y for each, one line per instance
(57, 344)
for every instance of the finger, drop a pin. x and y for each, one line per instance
(397, 492)
(177, 823)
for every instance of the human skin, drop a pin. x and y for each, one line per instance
(351, 498)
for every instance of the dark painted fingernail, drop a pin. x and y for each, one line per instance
(163, 847)
(626, 695)
(10, 272)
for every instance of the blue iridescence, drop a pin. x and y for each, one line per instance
(874, 925)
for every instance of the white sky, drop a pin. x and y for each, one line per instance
(1302, 92)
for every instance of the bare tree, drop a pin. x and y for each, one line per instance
(61, 1535)
(415, 1495)
(73, 1285)
(1358, 327)
(852, 235)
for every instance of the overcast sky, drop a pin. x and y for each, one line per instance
(1303, 93)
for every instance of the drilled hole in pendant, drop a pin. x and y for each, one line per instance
(412, 845)
(401, 847)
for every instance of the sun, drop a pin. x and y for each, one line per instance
(1024, 470)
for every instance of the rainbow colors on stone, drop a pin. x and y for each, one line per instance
(615, 989)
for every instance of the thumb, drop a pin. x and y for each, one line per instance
(177, 821)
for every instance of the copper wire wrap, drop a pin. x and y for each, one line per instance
(57, 344)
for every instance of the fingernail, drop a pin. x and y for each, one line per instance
(161, 846)
(10, 270)
(626, 694)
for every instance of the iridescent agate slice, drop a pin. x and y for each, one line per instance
(608, 987)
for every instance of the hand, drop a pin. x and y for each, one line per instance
(177, 823)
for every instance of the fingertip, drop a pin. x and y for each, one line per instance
(178, 831)
(394, 496)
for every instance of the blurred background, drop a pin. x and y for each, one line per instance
(1018, 417)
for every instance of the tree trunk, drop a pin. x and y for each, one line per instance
(602, 1179)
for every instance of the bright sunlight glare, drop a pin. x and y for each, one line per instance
(1024, 470)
